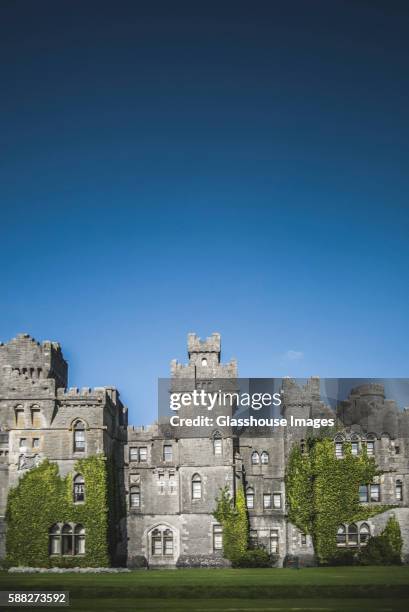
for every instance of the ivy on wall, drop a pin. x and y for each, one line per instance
(234, 520)
(323, 491)
(42, 498)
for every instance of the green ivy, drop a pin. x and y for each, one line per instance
(323, 491)
(42, 498)
(234, 520)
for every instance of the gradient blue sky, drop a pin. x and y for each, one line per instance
(222, 166)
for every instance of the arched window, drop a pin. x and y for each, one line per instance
(79, 540)
(353, 535)
(135, 497)
(217, 444)
(255, 458)
(341, 535)
(364, 533)
(79, 437)
(55, 540)
(264, 457)
(67, 548)
(355, 445)
(250, 497)
(204, 362)
(399, 490)
(162, 542)
(79, 488)
(196, 487)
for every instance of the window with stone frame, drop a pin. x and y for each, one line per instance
(217, 445)
(196, 487)
(253, 538)
(274, 541)
(277, 500)
(264, 458)
(143, 454)
(162, 542)
(363, 493)
(161, 483)
(370, 446)
(79, 436)
(167, 452)
(399, 491)
(36, 417)
(267, 501)
(351, 535)
(172, 483)
(355, 445)
(255, 458)
(135, 497)
(375, 492)
(217, 537)
(250, 498)
(19, 413)
(79, 489)
(134, 454)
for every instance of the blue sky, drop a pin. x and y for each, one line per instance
(225, 167)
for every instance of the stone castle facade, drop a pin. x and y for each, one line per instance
(170, 481)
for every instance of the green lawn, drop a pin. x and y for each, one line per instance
(325, 589)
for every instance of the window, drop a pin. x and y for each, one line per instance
(36, 443)
(19, 416)
(341, 535)
(79, 437)
(135, 498)
(399, 490)
(353, 535)
(217, 445)
(167, 452)
(348, 535)
(161, 483)
(274, 541)
(217, 537)
(339, 451)
(67, 547)
(370, 448)
(364, 533)
(54, 540)
(79, 488)
(204, 362)
(196, 487)
(267, 500)
(363, 493)
(277, 500)
(303, 539)
(375, 492)
(355, 447)
(36, 417)
(23, 443)
(264, 457)
(172, 483)
(397, 450)
(143, 453)
(250, 498)
(255, 459)
(133, 454)
(79, 540)
(162, 542)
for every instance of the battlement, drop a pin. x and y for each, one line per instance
(294, 392)
(374, 391)
(212, 344)
(25, 356)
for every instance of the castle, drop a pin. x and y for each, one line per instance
(170, 481)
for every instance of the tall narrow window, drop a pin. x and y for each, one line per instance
(217, 445)
(135, 498)
(217, 537)
(161, 483)
(353, 535)
(277, 500)
(341, 535)
(36, 417)
(339, 451)
(168, 542)
(167, 452)
(399, 490)
(79, 437)
(363, 493)
(364, 533)
(19, 417)
(303, 539)
(55, 540)
(79, 540)
(172, 483)
(250, 498)
(354, 447)
(375, 492)
(143, 454)
(196, 487)
(264, 457)
(255, 458)
(79, 488)
(267, 501)
(274, 541)
(66, 532)
(23, 444)
(133, 454)
(156, 539)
